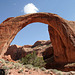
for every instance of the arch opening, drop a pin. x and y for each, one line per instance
(59, 31)
(45, 38)
(31, 33)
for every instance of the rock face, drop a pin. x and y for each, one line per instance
(42, 48)
(62, 33)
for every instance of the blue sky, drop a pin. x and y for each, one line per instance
(35, 31)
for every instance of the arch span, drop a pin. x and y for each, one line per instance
(62, 33)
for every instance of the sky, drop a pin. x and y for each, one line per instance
(35, 31)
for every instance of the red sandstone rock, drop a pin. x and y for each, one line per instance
(43, 49)
(16, 52)
(8, 58)
(62, 33)
(41, 42)
(27, 46)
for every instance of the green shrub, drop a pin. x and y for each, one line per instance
(43, 69)
(6, 61)
(17, 65)
(11, 67)
(20, 71)
(59, 73)
(33, 60)
(5, 67)
(2, 60)
(28, 66)
(36, 68)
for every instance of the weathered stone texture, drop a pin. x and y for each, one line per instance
(43, 48)
(62, 33)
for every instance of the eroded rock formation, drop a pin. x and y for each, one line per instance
(42, 48)
(62, 33)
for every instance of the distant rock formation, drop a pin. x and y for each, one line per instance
(42, 48)
(61, 31)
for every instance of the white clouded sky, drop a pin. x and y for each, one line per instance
(30, 8)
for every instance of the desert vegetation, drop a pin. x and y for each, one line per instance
(33, 59)
(8, 67)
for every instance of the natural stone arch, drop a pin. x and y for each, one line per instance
(62, 33)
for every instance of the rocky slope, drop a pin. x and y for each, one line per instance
(14, 68)
(43, 49)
